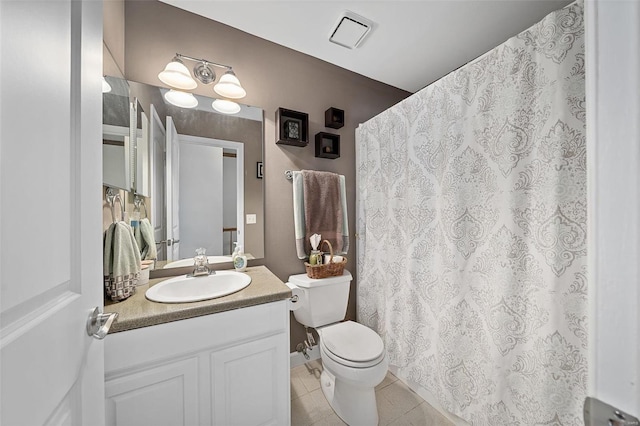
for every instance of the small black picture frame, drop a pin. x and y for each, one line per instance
(259, 170)
(292, 129)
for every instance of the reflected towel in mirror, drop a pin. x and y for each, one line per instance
(146, 240)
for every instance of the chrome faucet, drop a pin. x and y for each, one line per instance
(201, 263)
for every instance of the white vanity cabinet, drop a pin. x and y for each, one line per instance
(229, 368)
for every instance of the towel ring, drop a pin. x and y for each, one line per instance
(139, 201)
(112, 196)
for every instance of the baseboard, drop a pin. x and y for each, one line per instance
(428, 397)
(296, 358)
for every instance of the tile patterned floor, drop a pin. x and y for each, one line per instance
(397, 404)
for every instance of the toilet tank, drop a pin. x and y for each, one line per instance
(325, 300)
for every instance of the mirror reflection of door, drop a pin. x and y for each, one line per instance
(230, 197)
(115, 148)
(141, 156)
(210, 179)
(157, 148)
(201, 186)
(116, 119)
(173, 191)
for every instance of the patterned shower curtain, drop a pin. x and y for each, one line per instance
(472, 231)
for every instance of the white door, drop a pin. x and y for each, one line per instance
(52, 372)
(173, 191)
(613, 152)
(157, 144)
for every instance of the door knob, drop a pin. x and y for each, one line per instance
(98, 324)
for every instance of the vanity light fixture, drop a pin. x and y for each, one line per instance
(177, 76)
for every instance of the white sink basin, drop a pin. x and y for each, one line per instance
(184, 289)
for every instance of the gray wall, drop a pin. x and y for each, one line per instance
(273, 76)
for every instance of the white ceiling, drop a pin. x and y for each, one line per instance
(412, 44)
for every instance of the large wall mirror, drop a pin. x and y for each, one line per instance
(194, 172)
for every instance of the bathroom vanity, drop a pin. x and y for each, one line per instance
(218, 362)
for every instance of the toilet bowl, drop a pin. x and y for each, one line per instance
(353, 356)
(354, 363)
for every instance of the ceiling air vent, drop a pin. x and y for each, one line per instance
(350, 30)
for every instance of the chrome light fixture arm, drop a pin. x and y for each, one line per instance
(205, 61)
(202, 70)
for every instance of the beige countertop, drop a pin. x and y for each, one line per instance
(137, 311)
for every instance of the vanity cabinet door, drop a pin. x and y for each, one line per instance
(250, 383)
(162, 395)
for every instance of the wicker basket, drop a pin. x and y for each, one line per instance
(331, 269)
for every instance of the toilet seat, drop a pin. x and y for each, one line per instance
(352, 344)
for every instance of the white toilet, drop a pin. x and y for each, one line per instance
(353, 355)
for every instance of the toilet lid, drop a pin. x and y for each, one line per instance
(352, 341)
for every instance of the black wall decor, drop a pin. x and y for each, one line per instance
(334, 118)
(327, 145)
(292, 127)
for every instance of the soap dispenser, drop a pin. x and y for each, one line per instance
(240, 261)
(236, 250)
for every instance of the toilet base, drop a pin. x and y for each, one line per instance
(354, 405)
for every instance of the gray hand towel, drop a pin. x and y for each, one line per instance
(121, 261)
(298, 216)
(323, 208)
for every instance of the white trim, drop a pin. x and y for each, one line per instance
(120, 131)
